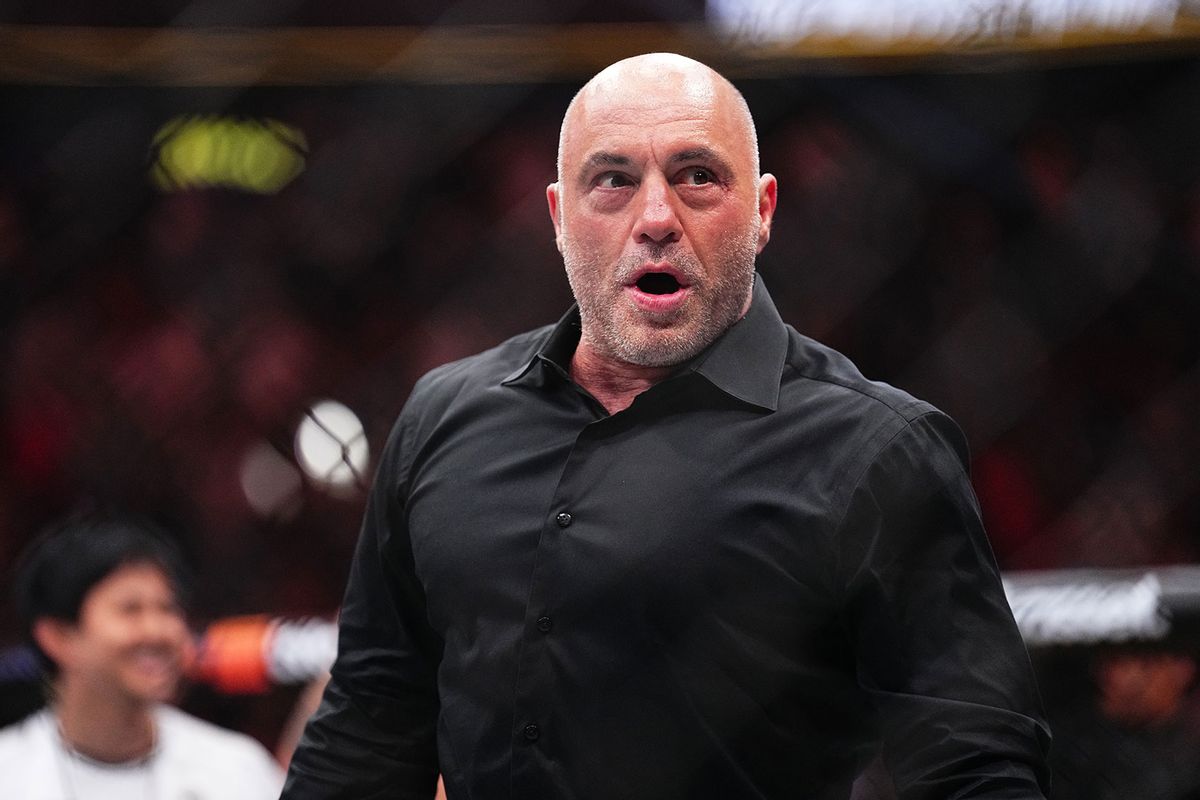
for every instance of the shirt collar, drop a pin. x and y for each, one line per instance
(746, 362)
(554, 350)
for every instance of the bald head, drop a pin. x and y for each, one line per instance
(654, 79)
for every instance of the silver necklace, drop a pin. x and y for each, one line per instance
(67, 756)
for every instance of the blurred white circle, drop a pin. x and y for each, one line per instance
(270, 482)
(331, 445)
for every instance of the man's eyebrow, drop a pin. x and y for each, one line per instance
(703, 154)
(603, 158)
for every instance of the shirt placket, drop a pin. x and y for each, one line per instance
(535, 740)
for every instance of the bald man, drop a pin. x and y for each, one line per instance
(669, 547)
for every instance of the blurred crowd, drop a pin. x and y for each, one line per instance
(1021, 248)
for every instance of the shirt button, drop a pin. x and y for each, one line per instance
(531, 733)
(544, 624)
(563, 519)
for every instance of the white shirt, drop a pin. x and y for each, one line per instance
(193, 760)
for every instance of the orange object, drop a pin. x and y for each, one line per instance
(233, 655)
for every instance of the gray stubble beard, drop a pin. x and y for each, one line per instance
(723, 297)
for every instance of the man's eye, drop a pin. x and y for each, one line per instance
(613, 180)
(697, 176)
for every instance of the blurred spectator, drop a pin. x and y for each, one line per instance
(100, 600)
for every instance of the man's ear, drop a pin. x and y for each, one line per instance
(54, 636)
(768, 189)
(554, 203)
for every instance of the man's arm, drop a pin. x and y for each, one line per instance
(374, 733)
(937, 648)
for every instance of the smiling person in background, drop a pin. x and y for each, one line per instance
(670, 547)
(101, 602)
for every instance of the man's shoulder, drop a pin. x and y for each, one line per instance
(466, 389)
(863, 415)
(481, 370)
(818, 368)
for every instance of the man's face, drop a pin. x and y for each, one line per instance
(659, 213)
(131, 640)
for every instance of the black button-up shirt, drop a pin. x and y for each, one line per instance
(735, 588)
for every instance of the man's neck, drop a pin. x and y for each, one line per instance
(612, 382)
(101, 728)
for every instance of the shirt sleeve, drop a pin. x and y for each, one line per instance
(936, 646)
(374, 733)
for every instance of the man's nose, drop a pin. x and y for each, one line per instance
(657, 221)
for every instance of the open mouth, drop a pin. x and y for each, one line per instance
(658, 283)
